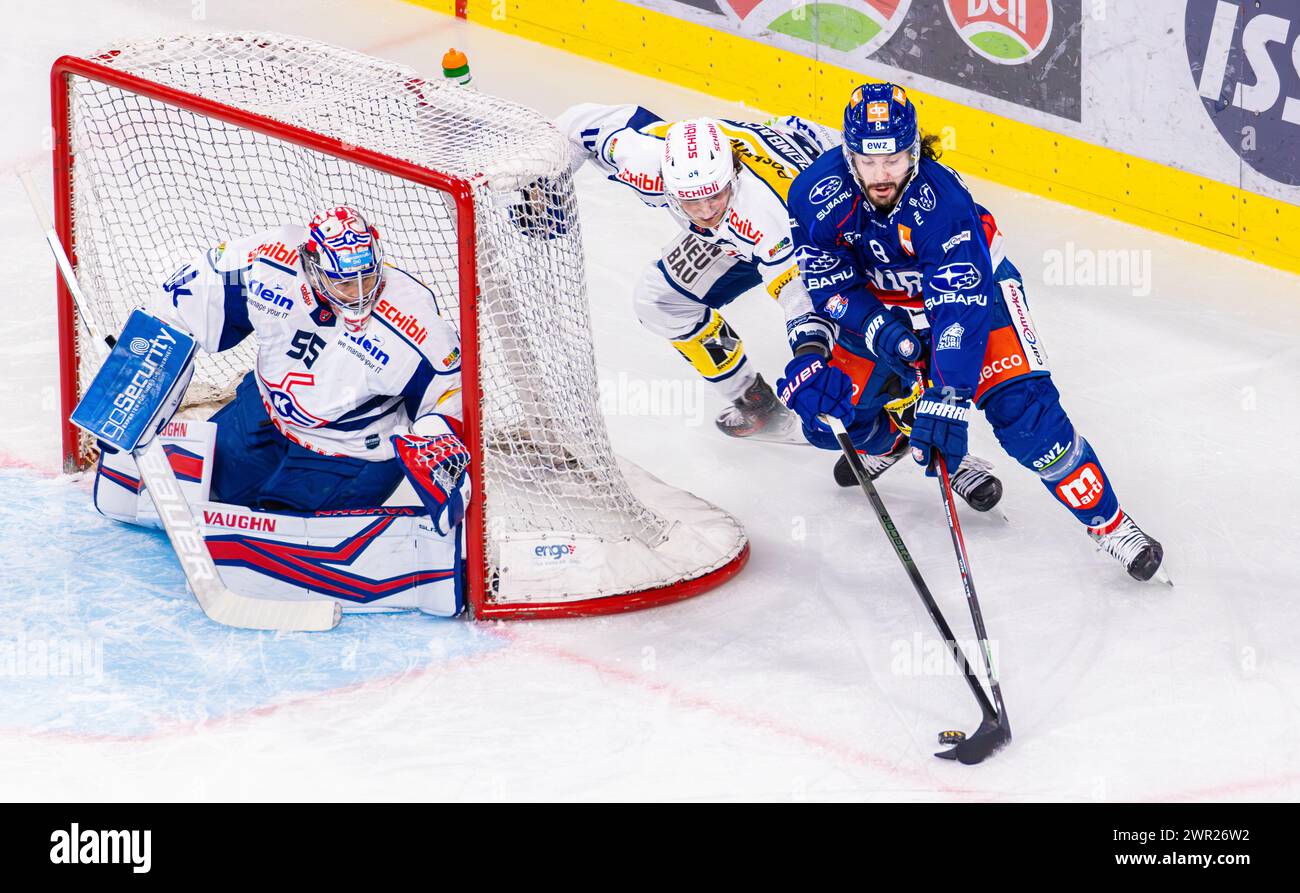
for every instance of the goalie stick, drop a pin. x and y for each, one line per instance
(992, 731)
(217, 601)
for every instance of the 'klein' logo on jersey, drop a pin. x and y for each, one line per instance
(267, 295)
(369, 344)
(641, 180)
(276, 251)
(402, 322)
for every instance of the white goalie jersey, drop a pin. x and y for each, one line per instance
(627, 143)
(325, 388)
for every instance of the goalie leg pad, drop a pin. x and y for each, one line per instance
(119, 493)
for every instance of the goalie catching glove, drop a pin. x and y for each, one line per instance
(435, 461)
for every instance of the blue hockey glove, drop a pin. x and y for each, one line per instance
(942, 419)
(436, 467)
(812, 386)
(894, 344)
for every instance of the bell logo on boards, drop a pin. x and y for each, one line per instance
(1007, 32)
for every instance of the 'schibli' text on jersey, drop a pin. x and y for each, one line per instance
(324, 387)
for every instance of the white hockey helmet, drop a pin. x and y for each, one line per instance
(699, 170)
(344, 263)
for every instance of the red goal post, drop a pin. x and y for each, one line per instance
(123, 119)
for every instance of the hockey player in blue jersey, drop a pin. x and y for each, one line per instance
(898, 255)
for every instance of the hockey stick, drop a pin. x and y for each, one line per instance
(217, 601)
(975, 746)
(993, 732)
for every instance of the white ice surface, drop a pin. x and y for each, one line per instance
(786, 683)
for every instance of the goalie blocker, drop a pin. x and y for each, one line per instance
(140, 385)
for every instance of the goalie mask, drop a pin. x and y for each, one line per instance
(344, 263)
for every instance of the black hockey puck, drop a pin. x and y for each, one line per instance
(951, 738)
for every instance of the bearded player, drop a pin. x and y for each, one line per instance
(357, 378)
(921, 280)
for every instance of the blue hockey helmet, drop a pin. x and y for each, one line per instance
(344, 263)
(880, 120)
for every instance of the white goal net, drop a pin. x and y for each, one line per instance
(173, 145)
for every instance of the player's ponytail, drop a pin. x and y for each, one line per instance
(930, 146)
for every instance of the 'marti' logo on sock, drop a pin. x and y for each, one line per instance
(76, 847)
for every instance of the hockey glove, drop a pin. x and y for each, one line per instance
(942, 418)
(894, 344)
(812, 387)
(436, 467)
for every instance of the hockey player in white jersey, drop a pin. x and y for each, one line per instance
(725, 182)
(357, 378)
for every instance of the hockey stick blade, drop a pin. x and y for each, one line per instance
(991, 736)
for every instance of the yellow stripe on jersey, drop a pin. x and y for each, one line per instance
(775, 287)
(758, 156)
(447, 395)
